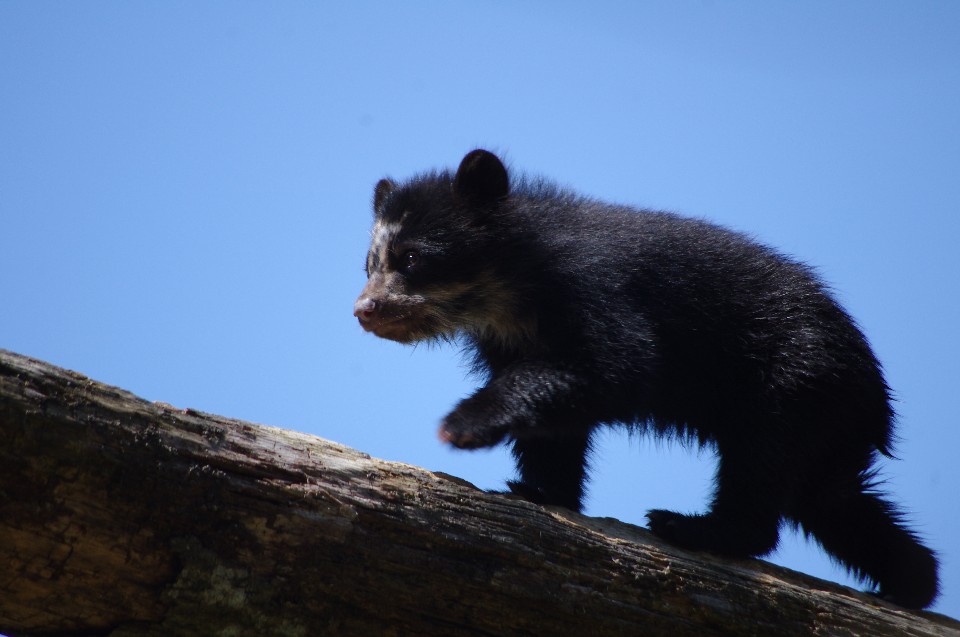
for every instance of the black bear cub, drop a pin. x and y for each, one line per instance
(581, 314)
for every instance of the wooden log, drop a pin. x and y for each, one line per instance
(128, 518)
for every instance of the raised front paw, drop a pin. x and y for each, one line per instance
(464, 432)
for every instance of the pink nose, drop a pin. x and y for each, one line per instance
(365, 309)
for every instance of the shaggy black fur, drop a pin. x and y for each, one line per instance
(582, 313)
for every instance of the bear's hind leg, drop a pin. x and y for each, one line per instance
(864, 533)
(744, 518)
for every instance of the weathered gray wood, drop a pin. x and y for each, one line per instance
(128, 518)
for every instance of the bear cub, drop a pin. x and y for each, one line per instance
(581, 314)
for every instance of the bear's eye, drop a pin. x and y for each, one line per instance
(410, 259)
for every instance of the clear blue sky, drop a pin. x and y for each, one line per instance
(185, 191)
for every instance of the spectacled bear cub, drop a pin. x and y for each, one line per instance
(582, 313)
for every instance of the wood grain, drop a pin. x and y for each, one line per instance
(128, 518)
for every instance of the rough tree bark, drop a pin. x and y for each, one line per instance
(128, 518)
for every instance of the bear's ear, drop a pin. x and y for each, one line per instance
(380, 193)
(481, 178)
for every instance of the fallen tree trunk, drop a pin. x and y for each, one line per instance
(127, 518)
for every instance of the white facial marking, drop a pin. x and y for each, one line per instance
(381, 236)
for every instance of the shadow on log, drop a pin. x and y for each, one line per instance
(127, 518)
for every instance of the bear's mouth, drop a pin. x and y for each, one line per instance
(397, 328)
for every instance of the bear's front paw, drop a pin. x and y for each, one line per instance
(465, 433)
(526, 491)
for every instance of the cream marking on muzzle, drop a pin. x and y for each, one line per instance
(437, 310)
